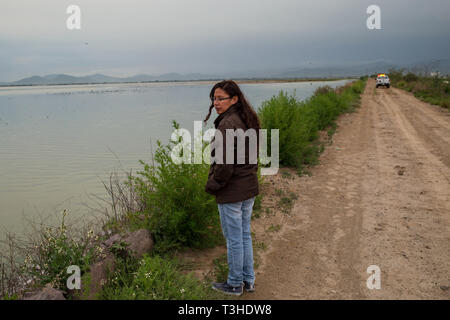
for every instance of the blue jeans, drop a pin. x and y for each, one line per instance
(235, 221)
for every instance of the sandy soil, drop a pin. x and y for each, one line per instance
(380, 196)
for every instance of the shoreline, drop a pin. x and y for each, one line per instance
(243, 81)
(111, 226)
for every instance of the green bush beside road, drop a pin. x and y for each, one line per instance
(299, 122)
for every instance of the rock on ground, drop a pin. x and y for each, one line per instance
(138, 243)
(45, 293)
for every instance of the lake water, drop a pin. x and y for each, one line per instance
(58, 143)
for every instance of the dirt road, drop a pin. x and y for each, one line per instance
(380, 196)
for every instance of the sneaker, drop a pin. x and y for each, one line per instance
(249, 287)
(227, 289)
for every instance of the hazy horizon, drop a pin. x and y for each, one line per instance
(123, 39)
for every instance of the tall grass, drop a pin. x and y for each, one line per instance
(155, 278)
(299, 122)
(433, 90)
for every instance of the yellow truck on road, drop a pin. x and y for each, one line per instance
(383, 80)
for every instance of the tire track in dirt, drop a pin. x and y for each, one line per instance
(316, 257)
(407, 223)
(431, 123)
(380, 195)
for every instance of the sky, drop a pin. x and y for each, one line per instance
(129, 37)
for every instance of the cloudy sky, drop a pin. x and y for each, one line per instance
(128, 37)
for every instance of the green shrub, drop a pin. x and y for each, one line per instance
(299, 122)
(327, 107)
(257, 204)
(296, 129)
(410, 77)
(154, 278)
(395, 75)
(446, 103)
(48, 262)
(8, 297)
(221, 268)
(179, 211)
(401, 84)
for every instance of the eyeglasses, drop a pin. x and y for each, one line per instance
(219, 99)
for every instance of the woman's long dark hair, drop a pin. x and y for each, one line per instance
(245, 110)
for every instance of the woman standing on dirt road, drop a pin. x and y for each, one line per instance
(234, 185)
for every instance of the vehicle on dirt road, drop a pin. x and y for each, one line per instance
(383, 80)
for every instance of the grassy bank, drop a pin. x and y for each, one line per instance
(433, 90)
(166, 198)
(169, 200)
(299, 122)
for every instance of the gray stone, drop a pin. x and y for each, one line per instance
(45, 293)
(114, 239)
(138, 243)
(98, 276)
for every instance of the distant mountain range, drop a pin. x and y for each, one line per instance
(101, 78)
(353, 70)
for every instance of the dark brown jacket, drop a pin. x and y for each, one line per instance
(232, 182)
